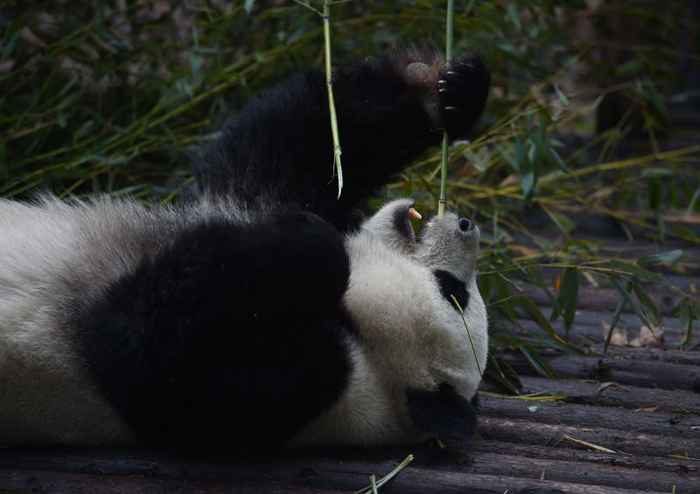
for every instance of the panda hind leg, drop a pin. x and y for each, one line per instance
(231, 339)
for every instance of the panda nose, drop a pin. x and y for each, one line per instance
(465, 225)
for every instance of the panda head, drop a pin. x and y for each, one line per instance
(419, 358)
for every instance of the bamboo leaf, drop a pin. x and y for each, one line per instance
(536, 362)
(568, 296)
(687, 316)
(654, 193)
(613, 324)
(536, 315)
(561, 96)
(694, 201)
(534, 276)
(669, 257)
(632, 269)
(648, 306)
(503, 374)
(627, 290)
(563, 222)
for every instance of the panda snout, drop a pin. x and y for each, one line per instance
(466, 225)
(467, 230)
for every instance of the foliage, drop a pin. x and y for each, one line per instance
(113, 96)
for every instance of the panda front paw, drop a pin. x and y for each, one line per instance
(462, 90)
(454, 95)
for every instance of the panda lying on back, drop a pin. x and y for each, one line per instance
(259, 314)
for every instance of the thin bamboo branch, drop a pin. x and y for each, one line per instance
(445, 143)
(337, 150)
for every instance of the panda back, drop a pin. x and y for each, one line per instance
(55, 257)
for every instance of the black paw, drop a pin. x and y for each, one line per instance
(463, 88)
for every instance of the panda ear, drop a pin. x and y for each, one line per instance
(442, 413)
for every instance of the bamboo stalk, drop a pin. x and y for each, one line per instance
(448, 58)
(337, 150)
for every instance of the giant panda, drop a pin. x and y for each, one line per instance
(263, 311)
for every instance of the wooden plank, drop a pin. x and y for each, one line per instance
(623, 248)
(594, 318)
(582, 472)
(28, 481)
(549, 412)
(648, 354)
(651, 374)
(621, 441)
(681, 468)
(632, 250)
(587, 317)
(456, 482)
(606, 299)
(631, 397)
(583, 332)
(500, 468)
(321, 479)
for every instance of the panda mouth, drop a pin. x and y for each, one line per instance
(412, 214)
(402, 222)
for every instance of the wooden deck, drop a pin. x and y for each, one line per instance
(625, 422)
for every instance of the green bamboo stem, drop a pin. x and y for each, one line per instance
(448, 58)
(337, 150)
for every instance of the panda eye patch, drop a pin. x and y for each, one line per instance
(451, 286)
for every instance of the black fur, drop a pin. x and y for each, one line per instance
(475, 402)
(442, 413)
(232, 337)
(466, 80)
(235, 336)
(451, 286)
(402, 223)
(280, 145)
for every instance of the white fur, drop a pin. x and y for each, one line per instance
(53, 253)
(411, 337)
(46, 397)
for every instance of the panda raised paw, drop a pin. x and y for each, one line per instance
(451, 89)
(461, 83)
